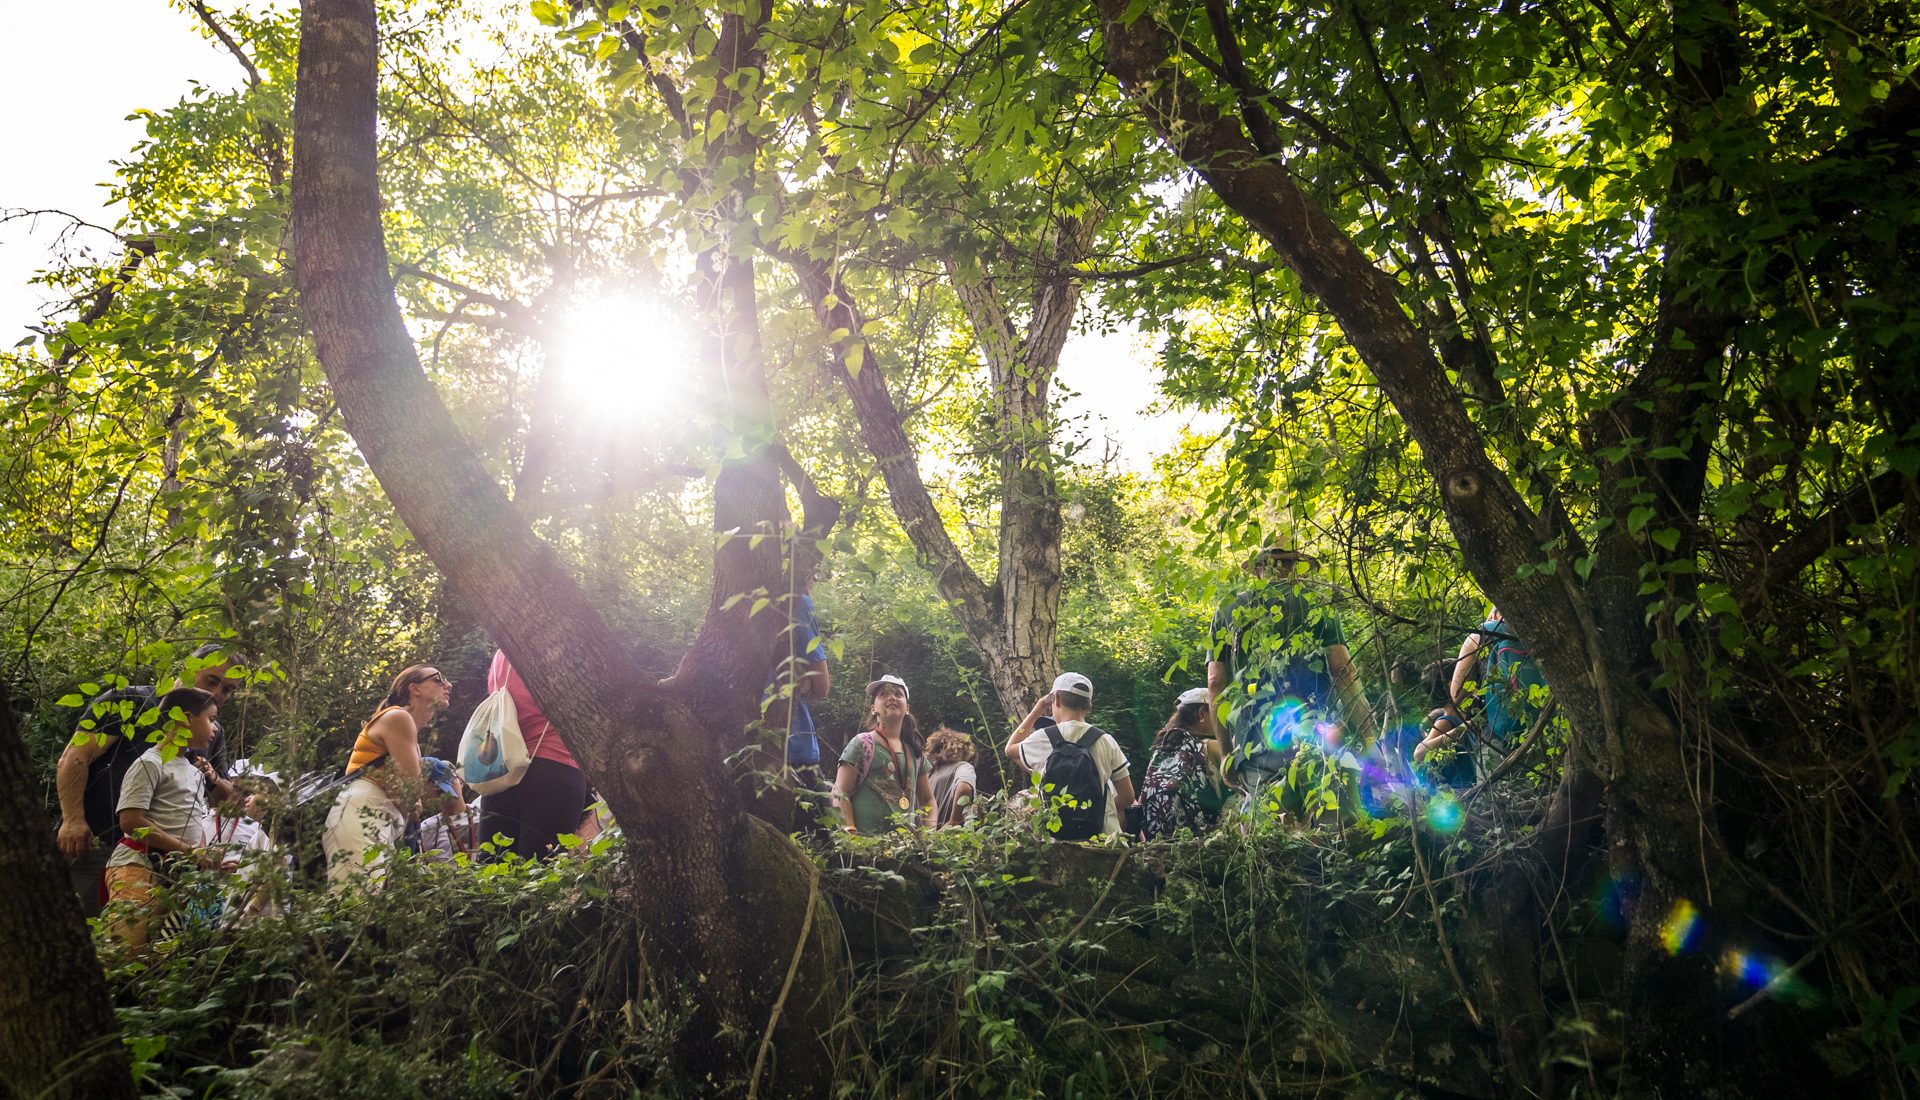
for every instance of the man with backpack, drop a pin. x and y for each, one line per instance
(1497, 662)
(115, 730)
(1082, 770)
(1281, 675)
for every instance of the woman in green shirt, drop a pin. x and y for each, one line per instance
(883, 773)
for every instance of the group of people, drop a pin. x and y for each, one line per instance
(129, 810)
(145, 789)
(390, 785)
(1280, 680)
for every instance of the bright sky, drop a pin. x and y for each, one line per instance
(67, 119)
(65, 129)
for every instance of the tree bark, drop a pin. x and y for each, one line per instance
(1626, 738)
(1025, 655)
(58, 1035)
(721, 898)
(1011, 623)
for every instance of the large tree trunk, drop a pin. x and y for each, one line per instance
(1624, 735)
(1011, 622)
(58, 1035)
(1023, 655)
(723, 899)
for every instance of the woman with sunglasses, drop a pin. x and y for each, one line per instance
(383, 791)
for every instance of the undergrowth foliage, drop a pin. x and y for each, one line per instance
(1262, 959)
(454, 981)
(1271, 963)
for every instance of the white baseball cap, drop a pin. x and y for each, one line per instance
(1195, 695)
(889, 678)
(1074, 682)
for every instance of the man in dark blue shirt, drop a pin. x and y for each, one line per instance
(1280, 672)
(800, 678)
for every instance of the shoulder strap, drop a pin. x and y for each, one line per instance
(1054, 738)
(865, 737)
(910, 781)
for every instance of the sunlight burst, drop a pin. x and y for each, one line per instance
(625, 357)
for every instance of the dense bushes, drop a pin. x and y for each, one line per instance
(987, 962)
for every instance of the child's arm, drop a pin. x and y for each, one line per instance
(135, 823)
(843, 781)
(222, 789)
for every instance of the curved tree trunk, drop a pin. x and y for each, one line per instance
(722, 899)
(1592, 643)
(58, 1035)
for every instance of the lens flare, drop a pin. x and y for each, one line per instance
(1284, 724)
(1680, 932)
(1379, 788)
(1764, 973)
(1615, 897)
(1753, 971)
(1444, 814)
(1328, 733)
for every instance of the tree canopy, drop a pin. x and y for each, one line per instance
(594, 330)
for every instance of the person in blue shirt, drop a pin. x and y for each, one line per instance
(1279, 673)
(1498, 662)
(800, 679)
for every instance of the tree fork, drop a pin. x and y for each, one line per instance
(721, 898)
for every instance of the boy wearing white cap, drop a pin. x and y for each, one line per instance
(1093, 753)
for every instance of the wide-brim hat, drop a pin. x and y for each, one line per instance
(1286, 553)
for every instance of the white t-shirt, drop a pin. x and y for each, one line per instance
(239, 838)
(441, 838)
(171, 792)
(1112, 762)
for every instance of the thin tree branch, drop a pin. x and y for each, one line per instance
(213, 24)
(100, 540)
(138, 250)
(1217, 256)
(504, 306)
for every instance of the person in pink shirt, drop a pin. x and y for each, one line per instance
(533, 813)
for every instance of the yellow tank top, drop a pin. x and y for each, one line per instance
(367, 751)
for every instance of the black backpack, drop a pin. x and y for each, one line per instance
(1074, 786)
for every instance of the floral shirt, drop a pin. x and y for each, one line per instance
(1178, 791)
